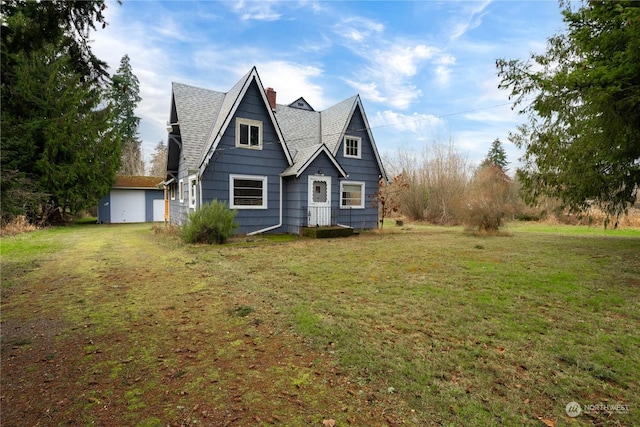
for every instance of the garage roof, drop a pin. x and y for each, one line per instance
(138, 182)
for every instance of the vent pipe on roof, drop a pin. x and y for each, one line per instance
(271, 97)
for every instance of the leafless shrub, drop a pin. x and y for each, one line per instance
(490, 199)
(431, 183)
(16, 225)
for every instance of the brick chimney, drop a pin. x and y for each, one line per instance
(271, 97)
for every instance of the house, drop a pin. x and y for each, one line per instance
(282, 167)
(133, 199)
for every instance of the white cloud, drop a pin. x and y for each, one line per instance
(443, 64)
(291, 81)
(473, 20)
(358, 29)
(422, 127)
(387, 75)
(389, 65)
(256, 10)
(367, 90)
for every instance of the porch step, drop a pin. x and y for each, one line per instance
(326, 232)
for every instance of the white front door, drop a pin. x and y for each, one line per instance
(319, 212)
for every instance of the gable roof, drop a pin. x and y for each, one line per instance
(229, 106)
(137, 182)
(303, 133)
(302, 104)
(306, 156)
(196, 109)
(335, 120)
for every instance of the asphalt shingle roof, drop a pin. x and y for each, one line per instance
(223, 112)
(197, 109)
(202, 114)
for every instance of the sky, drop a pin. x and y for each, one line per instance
(425, 70)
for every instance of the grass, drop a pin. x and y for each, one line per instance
(444, 327)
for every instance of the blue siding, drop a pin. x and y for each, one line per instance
(297, 190)
(365, 169)
(294, 189)
(104, 205)
(149, 197)
(104, 209)
(270, 161)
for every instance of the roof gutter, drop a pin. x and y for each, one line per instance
(273, 227)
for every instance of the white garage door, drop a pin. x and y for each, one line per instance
(158, 209)
(127, 206)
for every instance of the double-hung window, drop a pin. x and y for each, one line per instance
(247, 192)
(248, 133)
(352, 147)
(192, 191)
(352, 194)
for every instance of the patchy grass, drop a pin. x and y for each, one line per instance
(416, 324)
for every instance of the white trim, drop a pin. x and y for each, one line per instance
(250, 123)
(172, 189)
(312, 179)
(322, 148)
(358, 141)
(193, 186)
(265, 188)
(362, 195)
(214, 140)
(181, 190)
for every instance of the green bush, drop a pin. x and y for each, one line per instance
(213, 223)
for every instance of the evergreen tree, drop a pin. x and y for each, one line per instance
(61, 139)
(124, 94)
(582, 139)
(59, 152)
(496, 156)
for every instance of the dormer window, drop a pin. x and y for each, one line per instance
(352, 147)
(249, 133)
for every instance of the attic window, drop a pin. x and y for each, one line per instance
(352, 147)
(249, 133)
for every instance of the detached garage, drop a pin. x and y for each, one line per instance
(133, 199)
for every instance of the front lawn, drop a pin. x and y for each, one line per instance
(415, 324)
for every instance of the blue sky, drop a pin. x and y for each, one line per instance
(425, 69)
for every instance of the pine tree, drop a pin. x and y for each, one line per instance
(61, 139)
(59, 153)
(496, 156)
(581, 98)
(124, 94)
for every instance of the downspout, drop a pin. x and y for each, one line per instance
(273, 227)
(199, 183)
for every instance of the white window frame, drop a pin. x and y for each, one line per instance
(193, 181)
(172, 190)
(181, 190)
(250, 123)
(362, 197)
(358, 141)
(264, 180)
